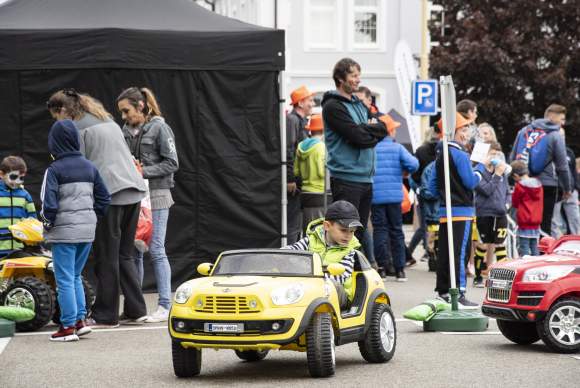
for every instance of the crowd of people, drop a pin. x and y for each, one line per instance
(366, 167)
(91, 199)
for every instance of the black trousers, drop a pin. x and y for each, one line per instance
(461, 248)
(359, 194)
(550, 197)
(115, 268)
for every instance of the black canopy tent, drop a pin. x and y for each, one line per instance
(217, 83)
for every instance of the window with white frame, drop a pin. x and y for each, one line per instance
(321, 22)
(367, 24)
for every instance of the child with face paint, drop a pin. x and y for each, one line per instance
(15, 202)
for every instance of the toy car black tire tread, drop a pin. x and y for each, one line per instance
(371, 348)
(544, 329)
(89, 300)
(521, 333)
(320, 346)
(43, 302)
(251, 355)
(186, 361)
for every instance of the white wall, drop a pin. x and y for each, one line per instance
(311, 66)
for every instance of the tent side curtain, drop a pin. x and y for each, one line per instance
(141, 49)
(227, 189)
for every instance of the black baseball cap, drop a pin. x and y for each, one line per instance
(345, 213)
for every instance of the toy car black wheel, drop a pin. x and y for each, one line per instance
(381, 338)
(560, 329)
(34, 294)
(521, 333)
(89, 300)
(320, 346)
(252, 355)
(186, 361)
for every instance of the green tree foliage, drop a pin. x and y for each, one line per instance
(512, 57)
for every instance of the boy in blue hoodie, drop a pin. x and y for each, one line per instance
(73, 195)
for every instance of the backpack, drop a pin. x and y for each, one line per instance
(532, 148)
(424, 191)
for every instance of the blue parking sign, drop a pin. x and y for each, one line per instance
(424, 101)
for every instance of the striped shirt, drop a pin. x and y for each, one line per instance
(15, 206)
(347, 261)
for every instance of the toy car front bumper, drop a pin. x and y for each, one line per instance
(509, 313)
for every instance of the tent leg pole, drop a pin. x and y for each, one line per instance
(284, 196)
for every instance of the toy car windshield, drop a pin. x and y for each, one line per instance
(568, 248)
(267, 264)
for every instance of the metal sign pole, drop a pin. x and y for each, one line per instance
(448, 116)
(284, 200)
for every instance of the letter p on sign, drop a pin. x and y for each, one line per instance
(424, 102)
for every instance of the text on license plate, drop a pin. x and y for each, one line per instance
(503, 284)
(223, 327)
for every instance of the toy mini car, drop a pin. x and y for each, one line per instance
(539, 297)
(254, 301)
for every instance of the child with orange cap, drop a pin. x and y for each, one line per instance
(309, 165)
(386, 216)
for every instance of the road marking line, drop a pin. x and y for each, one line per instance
(470, 332)
(96, 330)
(4, 343)
(576, 357)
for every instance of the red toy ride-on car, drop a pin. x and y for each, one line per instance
(539, 297)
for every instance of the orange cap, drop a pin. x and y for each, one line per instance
(460, 121)
(315, 123)
(390, 123)
(300, 94)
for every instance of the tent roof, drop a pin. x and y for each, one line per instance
(177, 34)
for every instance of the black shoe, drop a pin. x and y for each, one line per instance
(390, 270)
(401, 277)
(466, 304)
(382, 273)
(444, 297)
(478, 282)
(411, 263)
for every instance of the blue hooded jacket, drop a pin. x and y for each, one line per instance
(73, 193)
(392, 160)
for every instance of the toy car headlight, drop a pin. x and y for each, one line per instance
(288, 294)
(183, 293)
(546, 274)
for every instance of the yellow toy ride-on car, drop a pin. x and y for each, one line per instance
(27, 278)
(253, 301)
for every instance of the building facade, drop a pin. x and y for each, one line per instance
(320, 32)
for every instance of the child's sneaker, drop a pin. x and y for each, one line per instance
(65, 334)
(82, 328)
(160, 315)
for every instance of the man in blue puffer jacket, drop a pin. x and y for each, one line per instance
(392, 160)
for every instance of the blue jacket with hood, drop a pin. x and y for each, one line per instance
(556, 157)
(392, 160)
(349, 138)
(73, 192)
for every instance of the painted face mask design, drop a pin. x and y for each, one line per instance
(14, 179)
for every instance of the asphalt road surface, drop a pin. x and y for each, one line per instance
(141, 357)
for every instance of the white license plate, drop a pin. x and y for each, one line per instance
(223, 327)
(502, 284)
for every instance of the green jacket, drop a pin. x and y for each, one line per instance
(309, 164)
(344, 255)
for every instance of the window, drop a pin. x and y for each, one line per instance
(367, 24)
(322, 24)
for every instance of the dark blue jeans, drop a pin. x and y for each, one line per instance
(420, 233)
(387, 222)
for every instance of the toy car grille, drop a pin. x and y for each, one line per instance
(505, 277)
(227, 305)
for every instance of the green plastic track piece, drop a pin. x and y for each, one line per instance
(6, 328)
(462, 321)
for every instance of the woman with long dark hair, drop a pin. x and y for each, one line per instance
(152, 143)
(102, 142)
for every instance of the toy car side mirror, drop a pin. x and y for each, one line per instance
(335, 269)
(204, 268)
(546, 243)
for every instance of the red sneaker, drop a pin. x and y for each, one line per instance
(82, 328)
(65, 334)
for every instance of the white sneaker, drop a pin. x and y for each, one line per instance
(160, 315)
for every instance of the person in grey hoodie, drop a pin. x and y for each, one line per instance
(152, 143)
(556, 165)
(102, 142)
